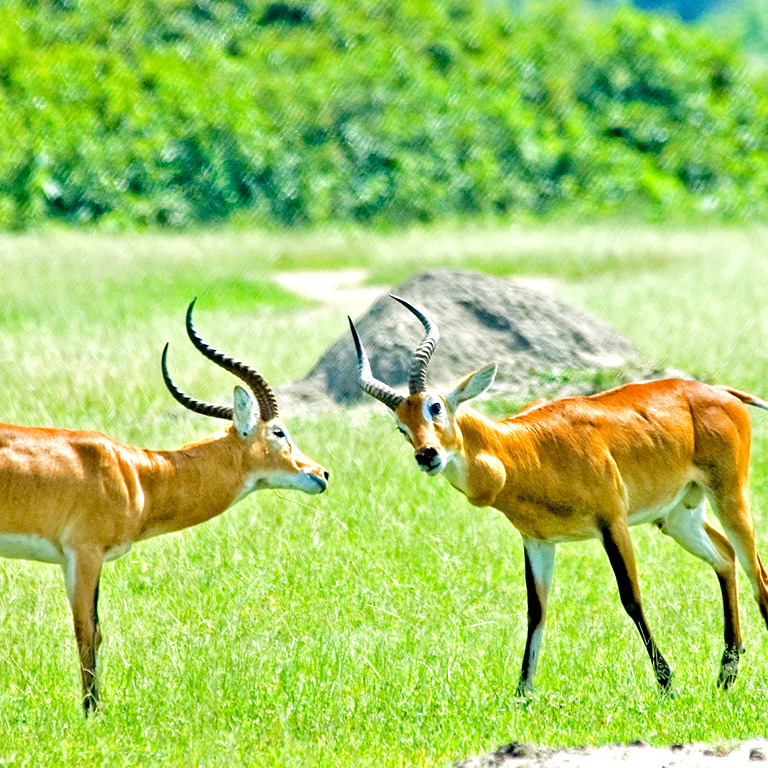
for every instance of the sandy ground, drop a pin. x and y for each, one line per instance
(344, 288)
(630, 756)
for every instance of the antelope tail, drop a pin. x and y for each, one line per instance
(745, 398)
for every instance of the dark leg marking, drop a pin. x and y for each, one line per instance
(618, 547)
(539, 568)
(734, 648)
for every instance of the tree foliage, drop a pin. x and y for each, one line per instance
(177, 112)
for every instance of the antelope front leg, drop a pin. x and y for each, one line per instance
(618, 547)
(539, 569)
(81, 574)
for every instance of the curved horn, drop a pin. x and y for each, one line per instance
(265, 397)
(417, 374)
(367, 383)
(198, 406)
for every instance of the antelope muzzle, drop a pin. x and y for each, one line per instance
(429, 459)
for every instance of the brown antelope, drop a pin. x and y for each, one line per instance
(78, 498)
(589, 467)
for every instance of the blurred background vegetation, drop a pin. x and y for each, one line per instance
(175, 113)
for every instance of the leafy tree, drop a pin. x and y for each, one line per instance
(179, 112)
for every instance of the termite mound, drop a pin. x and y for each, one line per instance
(543, 346)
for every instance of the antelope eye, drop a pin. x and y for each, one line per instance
(279, 434)
(436, 409)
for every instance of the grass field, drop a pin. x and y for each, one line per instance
(383, 623)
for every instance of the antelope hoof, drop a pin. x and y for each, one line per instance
(91, 704)
(729, 667)
(667, 689)
(664, 675)
(524, 689)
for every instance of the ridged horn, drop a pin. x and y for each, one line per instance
(417, 373)
(263, 393)
(367, 382)
(193, 404)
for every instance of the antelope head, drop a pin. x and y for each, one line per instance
(269, 457)
(426, 417)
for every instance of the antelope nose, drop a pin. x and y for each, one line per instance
(426, 458)
(326, 474)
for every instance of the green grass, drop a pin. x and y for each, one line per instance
(383, 623)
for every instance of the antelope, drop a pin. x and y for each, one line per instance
(589, 467)
(79, 498)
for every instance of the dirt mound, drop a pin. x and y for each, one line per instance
(538, 342)
(517, 755)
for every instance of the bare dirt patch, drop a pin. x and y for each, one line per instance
(637, 755)
(341, 288)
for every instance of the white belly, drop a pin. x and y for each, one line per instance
(690, 497)
(116, 552)
(26, 547)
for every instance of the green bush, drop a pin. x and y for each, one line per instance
(177, 112)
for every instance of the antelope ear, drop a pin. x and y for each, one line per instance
(245, 414)
(471, 386)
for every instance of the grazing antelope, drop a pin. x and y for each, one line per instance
(589, 467)
(78, 498)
